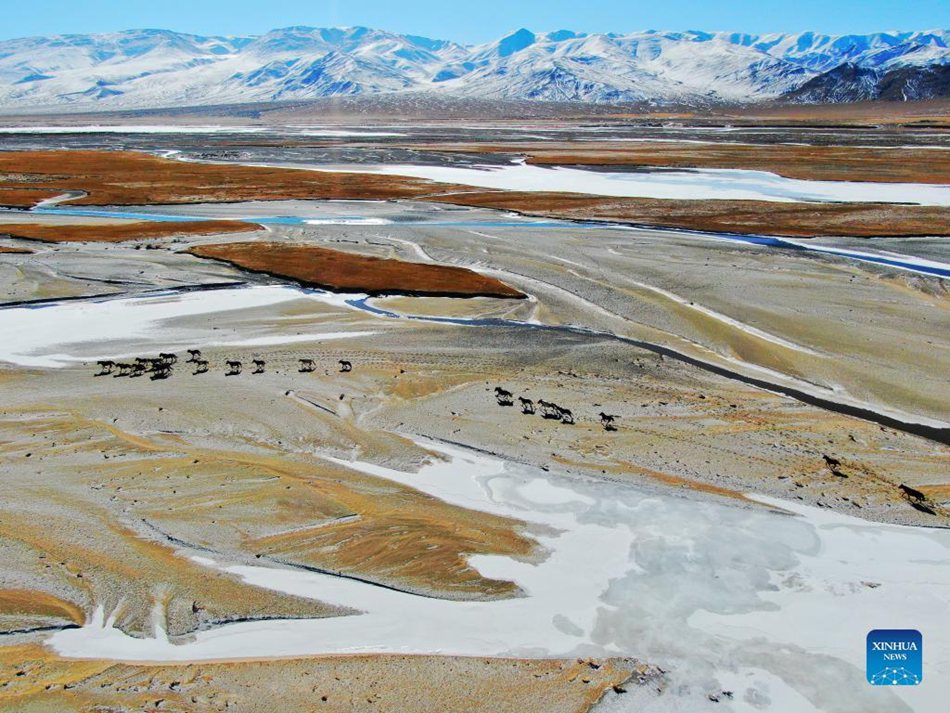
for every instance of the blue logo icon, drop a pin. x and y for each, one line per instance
(895, 657)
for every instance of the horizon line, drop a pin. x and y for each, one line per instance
(467, 44)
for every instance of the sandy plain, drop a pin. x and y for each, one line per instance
(144, 474)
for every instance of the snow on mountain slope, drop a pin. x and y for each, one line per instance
(159, 68)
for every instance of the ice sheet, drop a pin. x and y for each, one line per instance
(772, 606)
(57, 334)
(697, 184)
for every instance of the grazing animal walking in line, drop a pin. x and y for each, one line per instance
(148, 363)
(258, 366)
(566, 415)
(549, 410)
(168, 358)
(123, 370)
(527, 405)
(105, 367)
(194, 356)
(306, 366)
(608, 421)
(161, 372)
(345, 365)
(503, 397)
(201, 367)
(234, 368)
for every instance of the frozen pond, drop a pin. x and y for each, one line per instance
(695, 184)
(195, 130)
(723, 597)
(57, 334)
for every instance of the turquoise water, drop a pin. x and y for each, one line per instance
(889, 261)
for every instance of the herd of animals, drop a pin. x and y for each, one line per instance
(161, 367)
(548, 409)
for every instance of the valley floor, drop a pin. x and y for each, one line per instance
(396, 537)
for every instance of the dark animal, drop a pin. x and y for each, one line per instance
(234, 368)
(105, 367)
(258, 366)
(503, 397)
(566, 415)
(160, 373)
(608, 421)
(194, 356)
(138, 368)
(345, 365)
(150, 364)
(201, 367)
(306, 366)
(122, 370)
(527, 405)
(549, 410)
(168, 358)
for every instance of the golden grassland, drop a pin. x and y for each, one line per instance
(119, 232)
(349, 272)
(35, 680)
(102, 512)
(127, 178)
(23, 197)
(801, 220)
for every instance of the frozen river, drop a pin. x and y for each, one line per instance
(724, 597)
(694, 184)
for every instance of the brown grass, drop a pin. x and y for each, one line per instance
(118, 232)
(128, 178)
(348, 272)
(801, 220)
(36, 679)
(23, 602)
(23, 197)
(825, 163)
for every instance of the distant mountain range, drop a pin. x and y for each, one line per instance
(158, 68)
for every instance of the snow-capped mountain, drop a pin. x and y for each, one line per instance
(159, 68)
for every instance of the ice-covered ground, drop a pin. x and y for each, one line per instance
(770, 606)
(697, 184)
(170, 129)
(57, 334)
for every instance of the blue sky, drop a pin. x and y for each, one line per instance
(471, 20)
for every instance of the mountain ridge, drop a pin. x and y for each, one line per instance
(152, 68)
